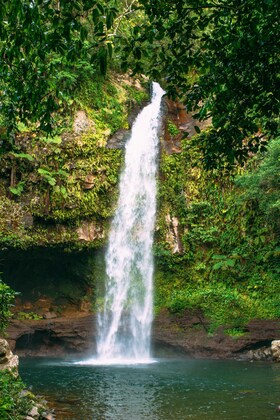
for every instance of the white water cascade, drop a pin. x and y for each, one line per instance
(125, 322)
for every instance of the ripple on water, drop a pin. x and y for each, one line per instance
(196, 389)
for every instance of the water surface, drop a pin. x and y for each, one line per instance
(168, 389)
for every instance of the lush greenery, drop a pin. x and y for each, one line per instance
(69, 178)
(7, 296)
(222, 58)
(15, 400)
(228, 265)
(46, 47)
(63, 96)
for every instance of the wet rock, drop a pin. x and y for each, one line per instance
(90, 231)
(186, 333)
(175, 113)
(55, 337)
(119, 139)
(34, 412)
(24, 393)
(47, 416)
(173, 235)
(263, 353)
(275, 349)
(8, 360)
(49, 315)
(27, 220)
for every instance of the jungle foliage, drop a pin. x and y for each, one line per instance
(229, 262)
(222, 58)
(45, 46)
(15, 400)
(7, 296)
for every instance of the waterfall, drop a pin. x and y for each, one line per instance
(124, 324)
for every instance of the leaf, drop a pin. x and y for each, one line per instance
(230, 263)
(52, 140)
(95, 15)
(137, 53)
(23, 156)
(18, 189)
(197, 129)
(218, 257)
(83, 33)
(103, 63)
(43, 171)
(51, 181)
(110, 49)
(217, 266)
(109, 20)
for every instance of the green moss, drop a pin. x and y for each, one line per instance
(52, 184)
(172, 129)
(235, 332)
(28, 315)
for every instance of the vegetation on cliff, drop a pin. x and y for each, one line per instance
(51, 186)
(217, 241)
(224, 229)
(222, 58)
(15, 400)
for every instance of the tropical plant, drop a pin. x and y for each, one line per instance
(42, 46)
(7, 296)
(222, 58)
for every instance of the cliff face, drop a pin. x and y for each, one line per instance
(51, 230)
(61, 190)
(214, 254)
(173, 335)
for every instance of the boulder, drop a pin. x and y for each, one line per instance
(7, 359)
(34, 412)
(82, 123)
(275, 349)
(90, 231)
(49, 315)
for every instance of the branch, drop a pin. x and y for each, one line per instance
(127, 11)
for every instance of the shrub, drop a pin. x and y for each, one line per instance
(7, 296)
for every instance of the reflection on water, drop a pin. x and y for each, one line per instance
(176, 390)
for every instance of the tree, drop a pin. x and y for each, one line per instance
(44, 46)
(222, 58)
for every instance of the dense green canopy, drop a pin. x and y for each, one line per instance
(44, 47)
(220, 57)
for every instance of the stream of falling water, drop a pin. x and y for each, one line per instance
(124, 324)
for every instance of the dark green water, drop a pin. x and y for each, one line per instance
(168, 389)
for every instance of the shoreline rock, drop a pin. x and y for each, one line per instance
(184, 334)
(8, 360)
(275, 350)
